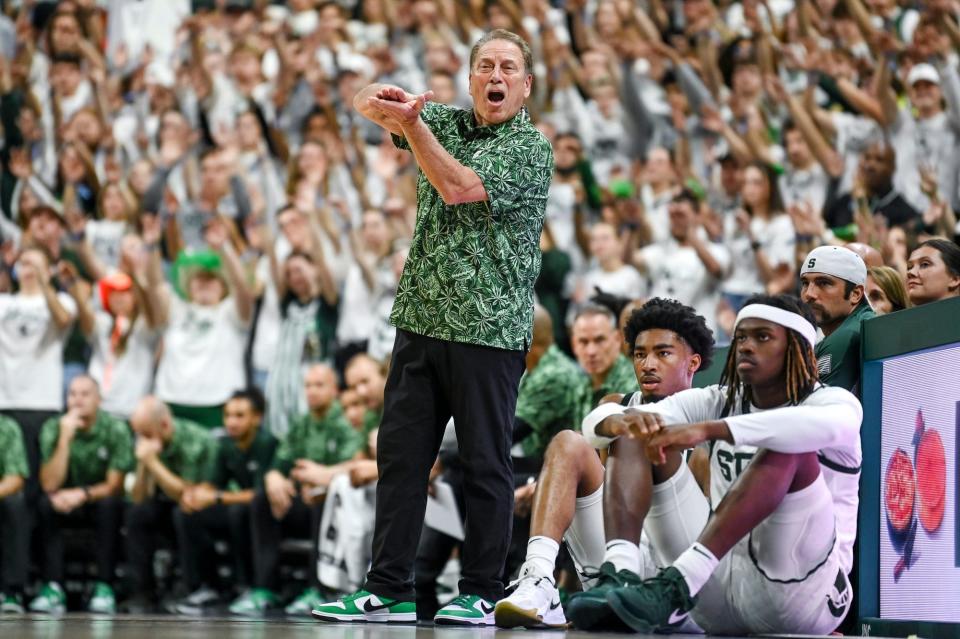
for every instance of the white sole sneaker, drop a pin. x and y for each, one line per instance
(367, 617)
(510, 615)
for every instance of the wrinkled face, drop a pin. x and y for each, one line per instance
(364, 377)
(603, 242)
(925, 96)
(353, 407)
(122, 303)
(761, 351)
(928, 279)
(206, 289)
(83, 397)
(320, 385)
(797, 150)
(663, 362)
(240, 417)
(756, 191)
(596, 343)
(300, 275)
(499, 82)
(877, 297)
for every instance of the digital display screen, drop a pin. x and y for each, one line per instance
(919, 527)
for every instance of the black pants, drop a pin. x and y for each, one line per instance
(146, 522)
(104, 516)
(198, 532)
(14, 543)
(434, 552)
(31, 422)
(431, 380)
(300, 521)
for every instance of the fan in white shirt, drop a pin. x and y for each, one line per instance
(610, 274)
(784, 466)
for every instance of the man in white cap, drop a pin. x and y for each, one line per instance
(925, 132)
(832, 280)
(784, 471)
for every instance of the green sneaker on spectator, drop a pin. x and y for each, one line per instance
(51, 600)
(253, 603)
(103, 601)
(363, 606)
(303, 605)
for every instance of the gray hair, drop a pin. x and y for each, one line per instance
(509, 36)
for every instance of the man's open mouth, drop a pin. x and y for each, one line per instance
(496, 96)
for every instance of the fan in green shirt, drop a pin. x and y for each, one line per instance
(597, 347)
(549, 397)
(364, 376)
(14, 537)
(13, 457)
(832, 280)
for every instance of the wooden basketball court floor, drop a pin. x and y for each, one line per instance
(81, 626)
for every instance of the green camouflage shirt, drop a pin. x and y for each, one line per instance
(621, 378)
(235, 469)
(107, 445)
(13, 457)
(326, 441)
(189, 455)
(549, 400)
(471, 268)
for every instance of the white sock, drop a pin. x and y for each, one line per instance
(541, 556)
(696, 564)
(623, 554)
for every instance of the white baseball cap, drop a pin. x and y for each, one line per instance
(837, 261)
(923, 72)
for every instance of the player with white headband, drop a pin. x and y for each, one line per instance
(784, 471)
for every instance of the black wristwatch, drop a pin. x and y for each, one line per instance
(755, 245)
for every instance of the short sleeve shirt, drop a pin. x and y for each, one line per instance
(838, 355)
(189, 454)
(236, 469)
(621, 378)
(105, 446)
(326, 441)
(548, 400)
(470, 271)
(13, 456)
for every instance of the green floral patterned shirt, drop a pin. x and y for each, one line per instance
(471, 268)
(107, 445)
(549, 400)
(190, 453)
(326, 441)
(13, 456)
(621, 378)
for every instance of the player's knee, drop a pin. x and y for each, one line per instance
(567, 447)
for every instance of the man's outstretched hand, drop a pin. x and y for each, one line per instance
(398, 105)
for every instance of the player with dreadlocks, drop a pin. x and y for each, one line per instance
(784, 478)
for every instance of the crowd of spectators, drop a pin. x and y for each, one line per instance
(191, 210)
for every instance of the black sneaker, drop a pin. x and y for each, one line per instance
(589, 610)
(660, 604)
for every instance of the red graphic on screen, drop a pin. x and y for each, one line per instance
(901, 490)
(922, 479)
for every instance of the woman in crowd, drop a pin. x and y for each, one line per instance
(885, 290)
(933, 272)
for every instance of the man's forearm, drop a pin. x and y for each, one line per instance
(169, 483)
(54, 472)
(456, 183)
